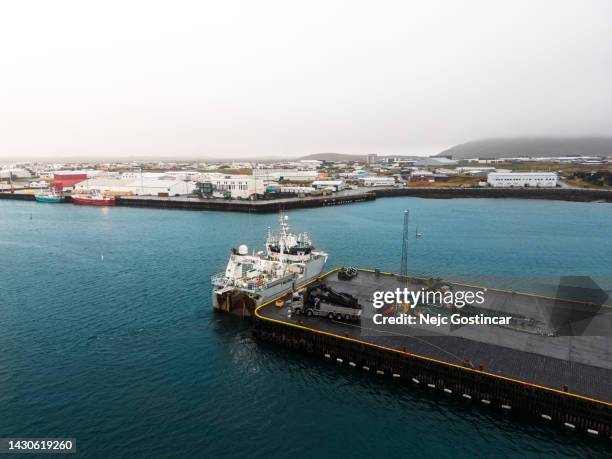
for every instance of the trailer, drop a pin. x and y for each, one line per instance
(321, 300)
(333, 311)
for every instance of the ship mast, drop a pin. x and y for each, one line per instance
(282, 240)
(404, 262)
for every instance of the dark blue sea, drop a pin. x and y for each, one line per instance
(107, 333)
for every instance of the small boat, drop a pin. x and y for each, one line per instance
(51, 196)
(94, 199)
(417, 234)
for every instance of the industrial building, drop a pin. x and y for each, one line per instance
(476, 170)
(353, 176)
(297, 189)
(336, 185)
(420, 175)
(522, 179)
(137, 175)
(141, 187)
(236, 186)
(161, 184)
(294, 175)
(427, 176)
(15, 173)
(376, 180)
(67, 180)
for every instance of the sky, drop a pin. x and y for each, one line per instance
(257, 79)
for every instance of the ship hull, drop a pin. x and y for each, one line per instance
(93, 202)
(50, 200)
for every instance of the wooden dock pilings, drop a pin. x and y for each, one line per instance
(473, 386)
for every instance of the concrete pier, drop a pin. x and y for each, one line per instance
(255, 206)
(17, 196)
(512, 371)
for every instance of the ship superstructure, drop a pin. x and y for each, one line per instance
(250, 279)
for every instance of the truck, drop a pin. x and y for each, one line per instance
(321, 300)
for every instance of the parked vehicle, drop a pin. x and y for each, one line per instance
(321, 300)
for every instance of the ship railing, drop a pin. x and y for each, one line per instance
(219, 279)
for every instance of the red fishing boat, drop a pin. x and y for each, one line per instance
(94, 199)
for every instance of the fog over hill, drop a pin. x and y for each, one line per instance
(334, 157)
(503, 148)
(531, 146)
(344, 157)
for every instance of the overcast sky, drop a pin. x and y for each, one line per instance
(181, 79)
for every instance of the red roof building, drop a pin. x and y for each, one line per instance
(62, 181)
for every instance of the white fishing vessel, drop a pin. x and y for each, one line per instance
(250, 279)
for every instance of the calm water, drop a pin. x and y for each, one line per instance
(107, 334)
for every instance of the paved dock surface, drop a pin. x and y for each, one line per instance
(246, 205)
(583, 363)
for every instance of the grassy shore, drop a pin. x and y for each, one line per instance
(453, 182)
(585, 184)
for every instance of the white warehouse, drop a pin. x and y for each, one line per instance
(522, 179)
(143, 187)
(335, 185)
(238, 186)
(286, 174)
(377, 180)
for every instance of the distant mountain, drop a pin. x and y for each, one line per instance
(339, 157)
(531, 146)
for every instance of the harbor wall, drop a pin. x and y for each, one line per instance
(272, 206)
(477, 387)
(261, 206)
(558, 194)
(17, 196)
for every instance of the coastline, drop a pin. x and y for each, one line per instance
(343, 198)
(555, 194)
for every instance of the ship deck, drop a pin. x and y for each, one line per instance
(582, 363)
